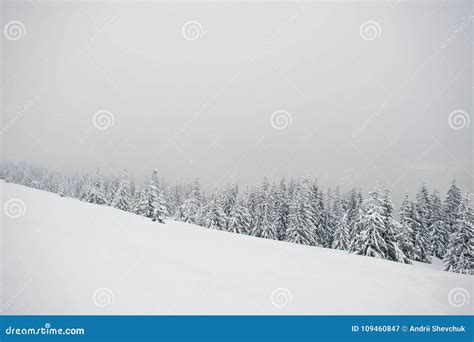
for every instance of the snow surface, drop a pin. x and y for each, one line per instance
(60, 254)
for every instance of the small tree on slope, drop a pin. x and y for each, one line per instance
(160, 211)
(214, 216)
(265, 223)
(95, 193)
(406, 223)
(393, 232)
(239, 218)
(438, 229)
(314, 209)
(300, 227)
(122, 196)
(140, 205)
(156, 204)
(341, 235)
(353, 204)
(420, 243)
(453, 199)
(424, 210)
(460, 254)
(370, 241)
(190, 211)
(282, 210)
(152, 193)
(394, 243)
(229, 199)
(62, 188)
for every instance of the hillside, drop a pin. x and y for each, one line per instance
(63, 256)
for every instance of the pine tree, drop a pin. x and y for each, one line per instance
(84, 185)
(387, 206)
(265, 222)
(438, 229)
(122, 195)
(420, 243)
(352, 204)
(337, 208)
(341, 234)
(453, 199)
(156, 204)
(354, 233)
(229, 200)
(167, 194)
(190, 211)
(299, 221)
(191, 208)
(179, 213)
(214, 216)
(393, 235)
(333, 214)
(239, 218)
(152, 193)
(176, 197)
(253, 205)
(140, 203)
(424, 209)
(133, 186)
(370, 241)
(282, 210)
(459, 257)
(160, 211)
(407, 224)
(395, 245)
(313, 213)
(113, 189)
(95, 193)
(62, 188)
(324, 227)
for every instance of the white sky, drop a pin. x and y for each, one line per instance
(251, 60)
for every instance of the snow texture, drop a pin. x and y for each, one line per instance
(64, 256)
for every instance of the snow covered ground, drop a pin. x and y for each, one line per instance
(63, 256)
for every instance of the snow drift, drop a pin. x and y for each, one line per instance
(63, 256)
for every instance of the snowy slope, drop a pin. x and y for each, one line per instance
(64, 256)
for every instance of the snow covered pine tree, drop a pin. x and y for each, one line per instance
(377, 235)
(122, 196)
(460, 254)
(156, 203)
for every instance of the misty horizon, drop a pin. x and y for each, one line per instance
(354, 95)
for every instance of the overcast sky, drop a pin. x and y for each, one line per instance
(356, 104)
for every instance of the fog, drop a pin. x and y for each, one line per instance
(243, 90)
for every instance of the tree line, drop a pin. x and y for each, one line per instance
(297, 210)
